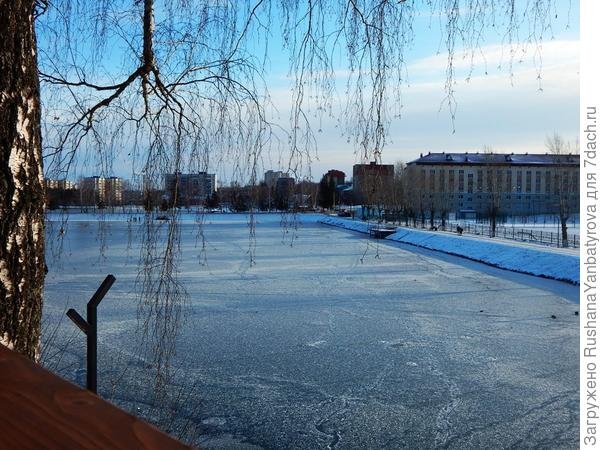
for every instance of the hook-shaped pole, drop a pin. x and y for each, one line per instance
(90, 328)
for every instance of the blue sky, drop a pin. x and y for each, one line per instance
(507, 109)
(507, 113)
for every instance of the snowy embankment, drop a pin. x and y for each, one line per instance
(540, 262)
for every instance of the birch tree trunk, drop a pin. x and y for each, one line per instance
(22, 266)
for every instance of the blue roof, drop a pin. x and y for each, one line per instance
(497, 158)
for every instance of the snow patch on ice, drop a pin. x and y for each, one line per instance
(215, 421)
(444, 421)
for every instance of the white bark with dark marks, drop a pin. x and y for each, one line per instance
(22, 266)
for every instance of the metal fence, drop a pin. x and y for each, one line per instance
(543, 237)
(515, 233)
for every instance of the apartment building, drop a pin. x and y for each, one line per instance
(191, 188)
(98, 190)
(467, 184)
(271, 177)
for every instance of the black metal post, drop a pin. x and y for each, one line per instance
(90, 328)
(92, 349)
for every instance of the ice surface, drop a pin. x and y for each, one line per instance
(559, 264)
(336, 341)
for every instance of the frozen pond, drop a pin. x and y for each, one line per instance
(336, 341)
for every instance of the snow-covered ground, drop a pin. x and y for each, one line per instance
(556, 263)
(330, 340)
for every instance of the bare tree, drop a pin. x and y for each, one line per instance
(565, 187)
(410, 193)
(187, 91)
(22, 264)
(493, 188)
(396, 203)
(162, 77)
(414, 189)
(432, 198)
(443, 200)
(179, 84)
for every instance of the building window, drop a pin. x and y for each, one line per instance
(442, 185)
(575, 186)
(538, 181)
(432, 180)
(480, 180)
(461, 181)
(470, 183)
(548, 183)
(509, 180)
(451, 180)
(519, 180)
(528, 181)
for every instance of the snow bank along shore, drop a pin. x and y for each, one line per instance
(541, 262)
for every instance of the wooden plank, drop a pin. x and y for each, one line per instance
(40, 410)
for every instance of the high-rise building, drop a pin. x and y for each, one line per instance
(92, 190)
(284, 190)
(98, 190)
(190, 188)
(271, 177)
(113, 191)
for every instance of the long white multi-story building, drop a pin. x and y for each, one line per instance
(518, 184)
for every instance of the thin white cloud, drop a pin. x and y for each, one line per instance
(505, 110)
(494, 58)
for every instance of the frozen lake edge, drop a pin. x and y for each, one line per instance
(542, 262)
(314, 348)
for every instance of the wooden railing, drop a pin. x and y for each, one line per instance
(40, 410)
